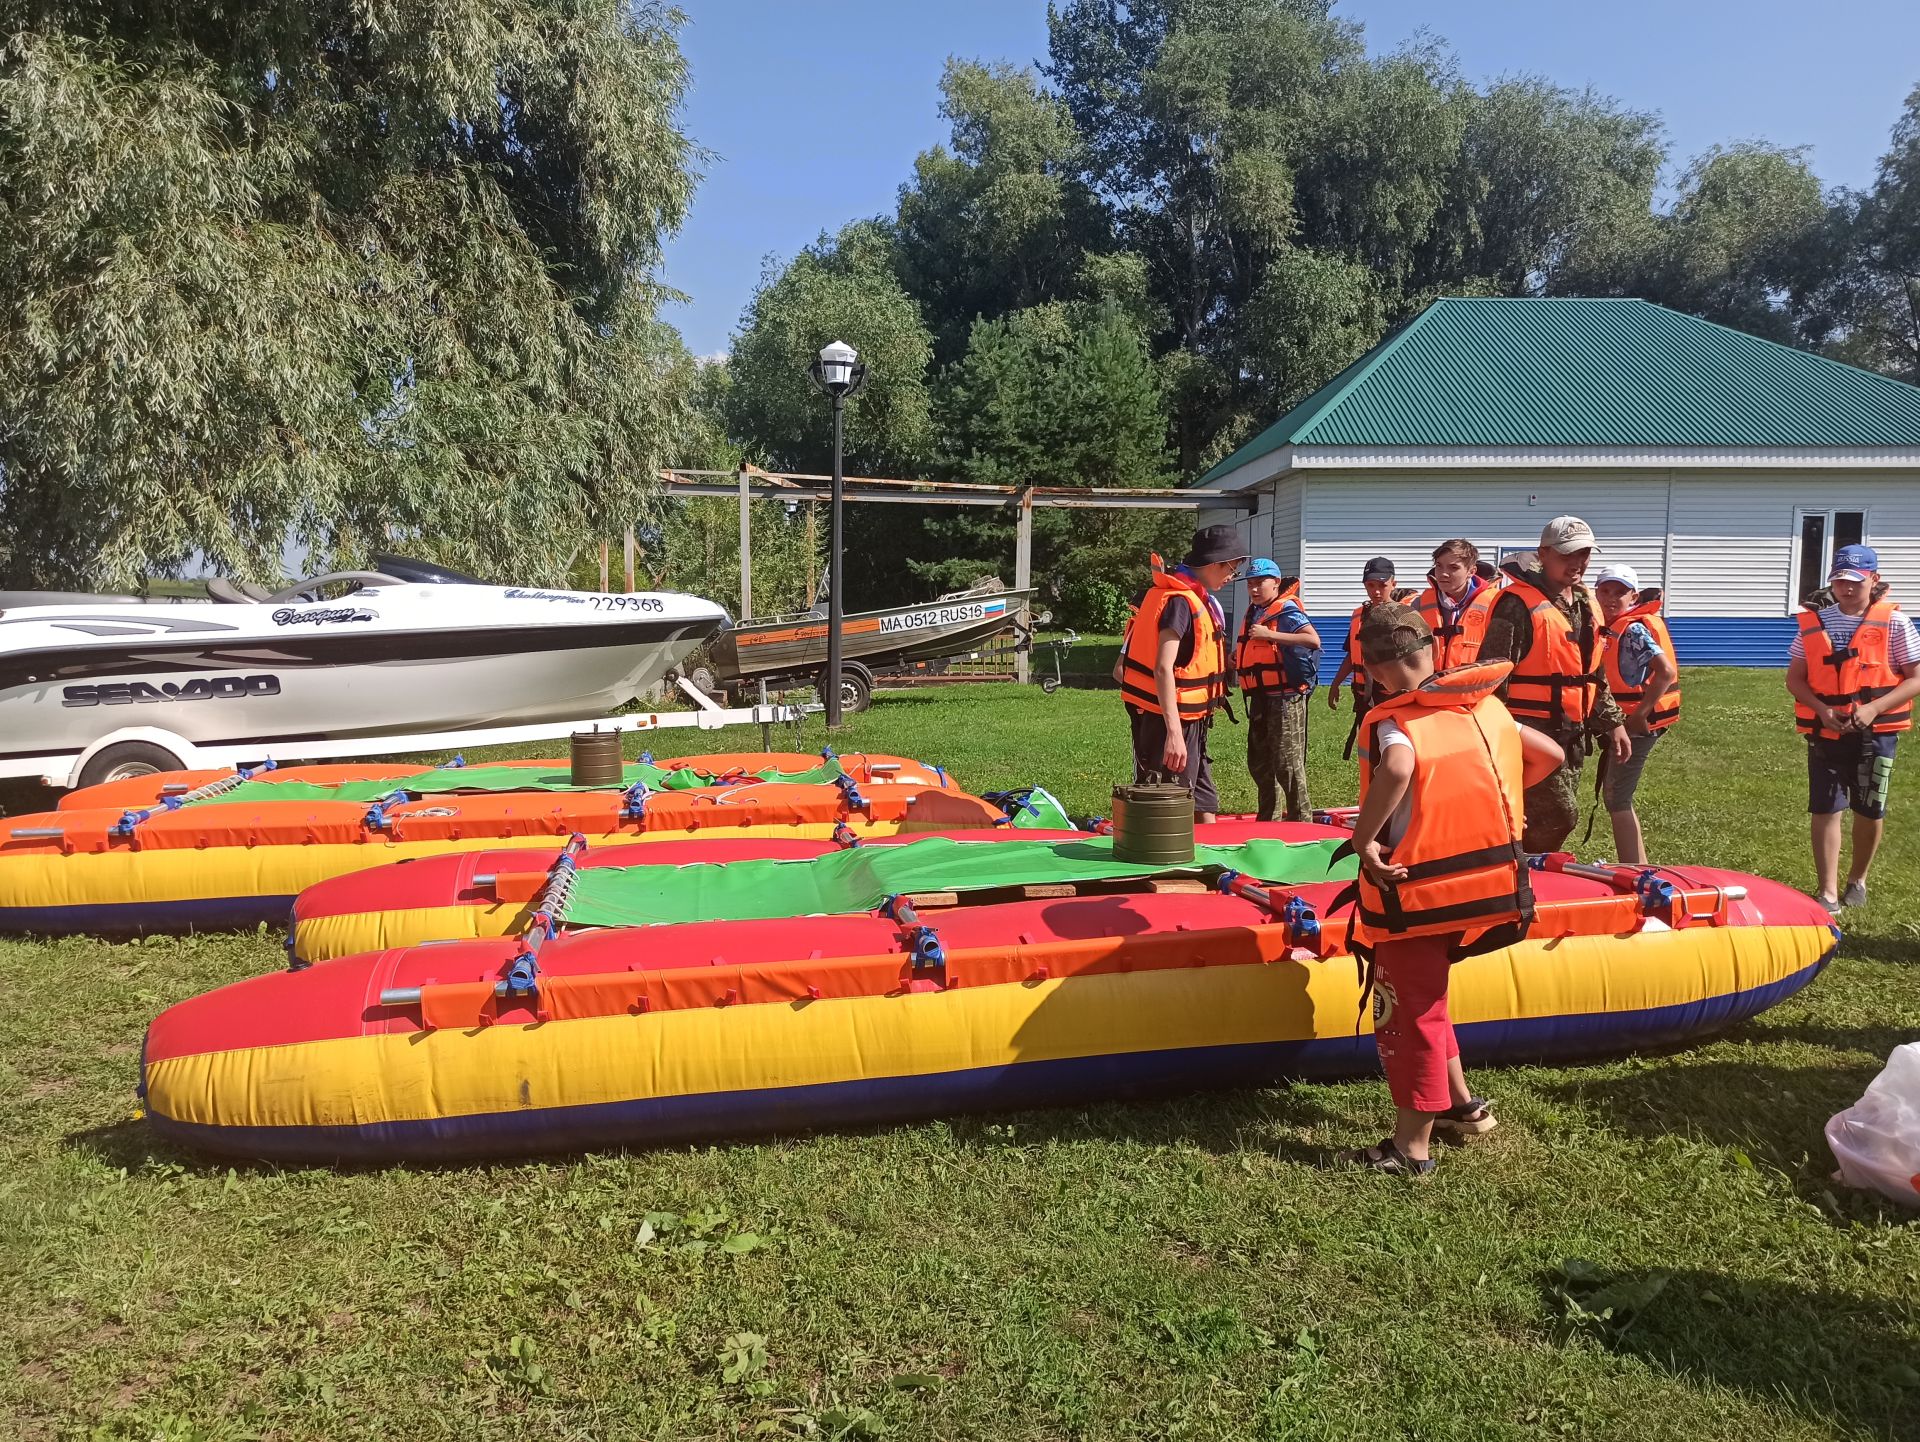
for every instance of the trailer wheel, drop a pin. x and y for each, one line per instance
(856, 688)
(127, 759)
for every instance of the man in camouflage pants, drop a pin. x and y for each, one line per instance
(1555, 573)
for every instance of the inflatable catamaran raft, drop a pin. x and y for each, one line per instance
(175, 851)
(880, 983)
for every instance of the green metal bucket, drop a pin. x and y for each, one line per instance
(1153, 824)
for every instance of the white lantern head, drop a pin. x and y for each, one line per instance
(838, 368)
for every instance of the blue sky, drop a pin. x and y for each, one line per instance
(815, 112)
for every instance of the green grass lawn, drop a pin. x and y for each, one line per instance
(1647, 1248)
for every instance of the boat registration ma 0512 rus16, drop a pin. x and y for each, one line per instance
(949, 615)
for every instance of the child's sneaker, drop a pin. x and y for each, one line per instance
(1472, 1118)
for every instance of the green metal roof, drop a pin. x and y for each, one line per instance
(1473, 372)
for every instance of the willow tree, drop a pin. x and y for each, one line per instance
(341, 276)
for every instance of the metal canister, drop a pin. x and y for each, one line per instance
(1153, 824)
(596, 759)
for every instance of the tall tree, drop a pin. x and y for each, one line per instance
(1001, 221)
(340, 275)
(1062, 394)
(1544, 175)
(1730, 248)
(1865, 303)
(1247, 146)
(840, 288)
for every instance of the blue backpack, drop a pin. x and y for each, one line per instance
(1299, 664)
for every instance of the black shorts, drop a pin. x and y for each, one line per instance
(1850, 772)
(1150, 747)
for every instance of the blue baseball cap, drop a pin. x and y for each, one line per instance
(1854, 563)
(1261, 567)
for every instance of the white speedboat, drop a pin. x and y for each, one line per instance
(407, 648)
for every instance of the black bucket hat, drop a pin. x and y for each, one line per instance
(1213, 544)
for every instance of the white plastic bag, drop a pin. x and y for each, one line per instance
(1877, 1139)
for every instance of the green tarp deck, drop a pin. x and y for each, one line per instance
(445, 780)
(863, 877)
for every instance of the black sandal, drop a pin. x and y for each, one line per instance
(1472, 1118)
(1386, 1158)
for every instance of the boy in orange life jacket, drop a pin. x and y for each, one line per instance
(1643, 673)
(1456, 603)
(1274, 661)
(1854, 670)
(1173, 666)
(1547, 624)
(1377, 577)
(1442, 773)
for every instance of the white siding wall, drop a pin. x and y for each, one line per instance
(1735, 537)
(1349, 517)
(1734, 533)
(1286, 497)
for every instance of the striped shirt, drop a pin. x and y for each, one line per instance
(1903, 643)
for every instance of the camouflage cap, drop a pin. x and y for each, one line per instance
(1390, 631)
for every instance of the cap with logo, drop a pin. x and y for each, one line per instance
(1261, 567)
(1378, 569)
(1567, 534)
(1854, 563)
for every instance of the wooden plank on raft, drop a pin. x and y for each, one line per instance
(1059, 891)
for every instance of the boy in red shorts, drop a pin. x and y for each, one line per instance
(1443, 772)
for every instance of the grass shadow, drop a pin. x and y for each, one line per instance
(1831, 1356)
(1902, 948)
(1229, 1121)
(1774, 1115)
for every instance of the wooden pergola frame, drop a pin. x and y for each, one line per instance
(750, 483)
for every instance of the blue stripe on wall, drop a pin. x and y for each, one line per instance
(1732, 640)
(1700, 640)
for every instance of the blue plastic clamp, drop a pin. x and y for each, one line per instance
(523, 974)
(376, 817)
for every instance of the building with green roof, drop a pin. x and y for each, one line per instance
(1721, 467)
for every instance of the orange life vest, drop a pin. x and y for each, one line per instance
(1557, 681)
(1466, 869)
(1257, 663)
(1843, 677)
(1353, 644)
(1667, 710)
(1457, 642)
(1202, 682)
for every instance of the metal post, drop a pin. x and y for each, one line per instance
(766, 727)
(833, 577)
(1023, 577)
(746, 551)
(629, 555)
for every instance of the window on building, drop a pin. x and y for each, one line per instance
(1821, 534)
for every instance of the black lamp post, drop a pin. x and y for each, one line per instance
(839, 373)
